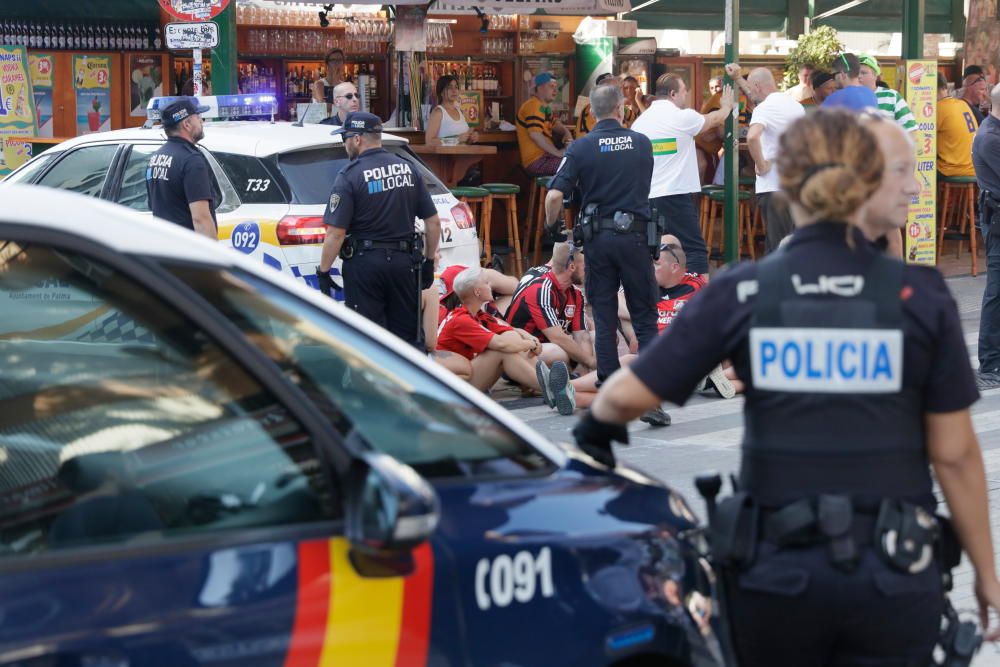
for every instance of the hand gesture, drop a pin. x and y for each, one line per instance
(988, 596)
(728, 100)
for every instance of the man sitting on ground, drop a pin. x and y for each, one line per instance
(677, 287)
(502, 285)
(492, 346)
(551, 308)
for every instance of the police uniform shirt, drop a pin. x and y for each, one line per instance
(613, 167)
(715, 326)
(986, 155)
(672, 131)
(377, 196)
(177, 175)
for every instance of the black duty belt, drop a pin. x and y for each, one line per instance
(608, 224)
(368, 244)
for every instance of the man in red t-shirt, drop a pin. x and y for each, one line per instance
(551, 308)
(492, 346)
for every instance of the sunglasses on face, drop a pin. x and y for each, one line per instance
(670, 248)
(349, 96)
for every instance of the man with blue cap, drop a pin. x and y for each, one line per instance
(370, 224)
(182, 188)
(537, 129)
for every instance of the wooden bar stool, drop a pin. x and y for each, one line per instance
(481, 204)
(704, 204)
(536, 218)
(744, 230)
(506, 193)
(958, 205)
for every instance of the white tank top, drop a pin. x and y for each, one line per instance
(451, 127)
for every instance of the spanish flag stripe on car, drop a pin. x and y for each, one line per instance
(342, 618)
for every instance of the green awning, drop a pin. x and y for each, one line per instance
(872, 16)
(96, 11)
(709, 15)
(884, 16)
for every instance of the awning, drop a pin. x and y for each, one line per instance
(872, 16)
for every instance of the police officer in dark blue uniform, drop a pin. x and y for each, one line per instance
(179, 180)
(370, 224)
(857, 377)
(613, 167)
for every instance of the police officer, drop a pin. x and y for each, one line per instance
(179, 180)
(370, 224)
(856, 376)
(612, 166)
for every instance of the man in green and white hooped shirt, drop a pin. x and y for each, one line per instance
(889, 101)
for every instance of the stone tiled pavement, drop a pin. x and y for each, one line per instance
(705, 434)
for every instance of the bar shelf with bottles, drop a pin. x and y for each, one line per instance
(184, 70)
(81, 35)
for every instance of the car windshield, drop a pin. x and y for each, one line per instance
(363, 386)
(310, 173)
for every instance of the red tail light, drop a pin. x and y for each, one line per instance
(462, 215)
(301, 230)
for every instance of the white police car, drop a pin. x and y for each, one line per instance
(275, 178)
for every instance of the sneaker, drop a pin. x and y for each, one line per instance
(987, 379)
(718, 382)
(656, 417)
(542, 374)
(562, 391)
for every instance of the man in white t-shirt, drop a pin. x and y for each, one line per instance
(774, 113)
(672, 127)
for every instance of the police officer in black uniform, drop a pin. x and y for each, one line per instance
(179, 180)
(370, 224)
(613, 167)
(857, 376)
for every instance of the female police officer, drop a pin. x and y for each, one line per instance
(857, 375)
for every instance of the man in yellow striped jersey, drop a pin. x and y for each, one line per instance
(672, 127)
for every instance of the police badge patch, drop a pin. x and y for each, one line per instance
(334, 202)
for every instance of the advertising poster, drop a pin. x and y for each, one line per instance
(471, 104)
(146, 73)
(921, 227)
(17, 107)
(42, 67)
(92, 83)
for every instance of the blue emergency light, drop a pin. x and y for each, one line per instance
(221, 107)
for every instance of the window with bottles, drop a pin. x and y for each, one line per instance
(81, 36)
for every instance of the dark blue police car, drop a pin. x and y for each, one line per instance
(203, 462)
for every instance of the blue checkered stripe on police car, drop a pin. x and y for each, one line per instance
(116, 328)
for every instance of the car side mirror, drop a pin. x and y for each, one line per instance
(390, 507)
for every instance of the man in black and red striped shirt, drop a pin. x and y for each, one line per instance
(550, 307)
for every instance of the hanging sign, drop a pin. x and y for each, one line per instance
(921, 228)
(17, 107)
(194, 10)
(196, 35)
(572, 7)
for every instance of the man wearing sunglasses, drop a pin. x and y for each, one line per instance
(322, 90)
(345, 101)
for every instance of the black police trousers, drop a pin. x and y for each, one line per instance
(615, 260)
(682, 221)
(793, 608)
(382, 286)
(989, 316)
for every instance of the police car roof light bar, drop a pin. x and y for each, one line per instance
(220, 107)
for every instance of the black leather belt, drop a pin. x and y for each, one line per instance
(367, 244)
(605, 224)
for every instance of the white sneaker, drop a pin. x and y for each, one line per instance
(562, 390)
(718, 381)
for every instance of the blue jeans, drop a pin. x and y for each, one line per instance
(682, 222)
(989, 318)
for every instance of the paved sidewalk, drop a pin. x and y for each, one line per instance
(706, 433)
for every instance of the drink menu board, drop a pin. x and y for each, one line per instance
(921, 226)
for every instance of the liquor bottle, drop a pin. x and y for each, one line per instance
(372, 81)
